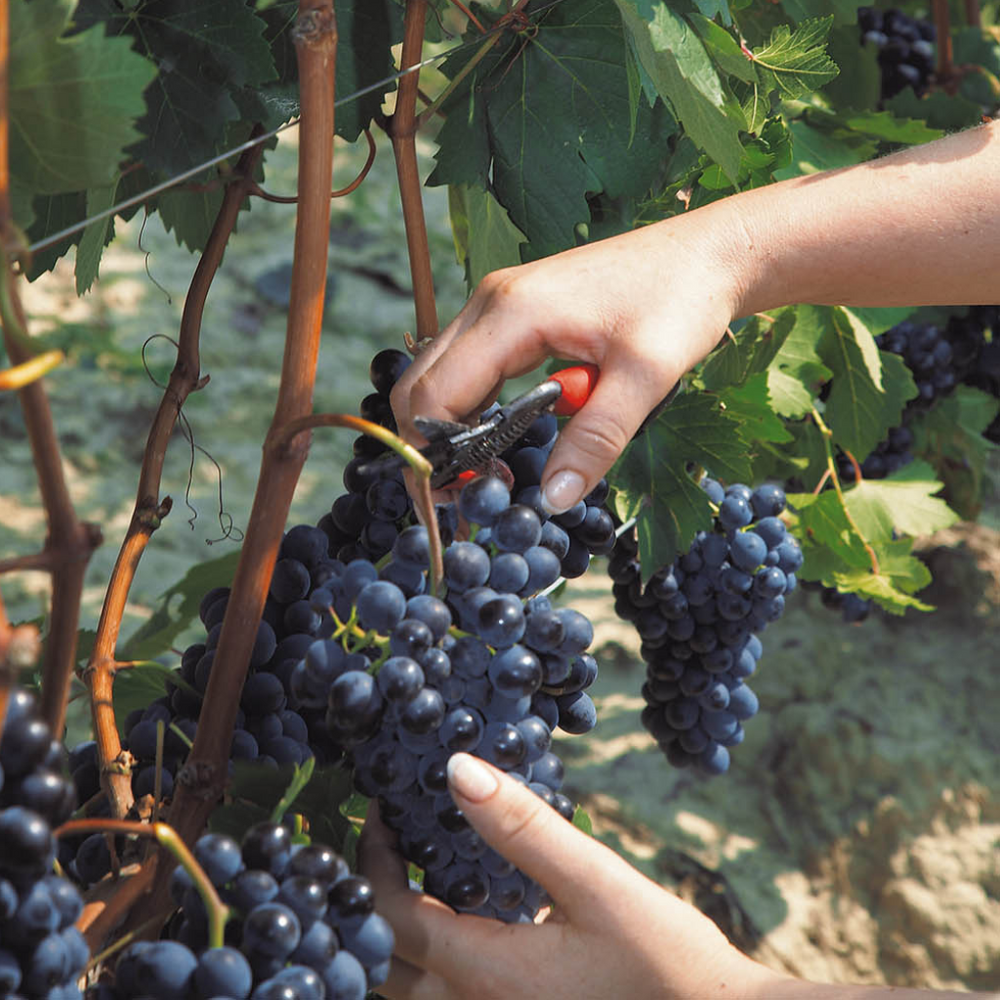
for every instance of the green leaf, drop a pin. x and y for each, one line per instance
(835, 556)
(880, 319)
(749, 351)
(750, 404)
(178, 607)
(724, 49)
(886, 126)
(73, 101)
(814, 150)
(794, 62)
(190, 215)
(652, 483)
(791, 64)
(485, 238)
(862, 405)
(675, 59)
(206, 54)
(938, 109)
(796, 371)
(904, 503)
(95, 237)
(949, 436)
(844, 11)
(861, 87)
(581, 820)
(573, 67)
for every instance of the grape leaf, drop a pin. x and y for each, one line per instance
(814, 150)
(795, 62)
(73, 101)
(723, 48)
(485, 238)
(900, 575)
(675, 59)
(190, 215)
(796, 371)
(791, 64)
(844, 11)
(95, 237)
(835, 556)
(750, 404)
(938, 109)
(904, 502)
(572, 68)
(750, 350)
(205, 53)
(886, 126)
(861, 406)
(861, 87)
(949, 436)
(178, 607)
(652, 483)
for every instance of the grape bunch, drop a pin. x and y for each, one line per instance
(364, 521)
(905, 48)
(42, 954)
(302, 927)
(699, 620)
(513, 670)
(888, 456)
(983, 369)
(585, 529)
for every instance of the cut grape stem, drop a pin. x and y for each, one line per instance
(165, 836)
(422, 472)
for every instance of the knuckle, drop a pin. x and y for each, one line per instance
(602, 440)
(524, 820)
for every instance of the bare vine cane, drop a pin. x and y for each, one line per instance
(150, 509)
(202, 779)
(402, 129)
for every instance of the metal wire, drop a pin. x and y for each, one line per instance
(138, 199)
(382, 84)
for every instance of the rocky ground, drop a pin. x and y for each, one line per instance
(856, 835)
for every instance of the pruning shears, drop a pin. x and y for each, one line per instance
(460, 451)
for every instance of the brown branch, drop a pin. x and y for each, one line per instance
(942, 28)
(149, 509)
(202, 779)
(973, 15)
(292, 199)
(109, 903)
(403, 132)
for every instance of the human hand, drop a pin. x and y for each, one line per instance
(644, 307)
(612, 932)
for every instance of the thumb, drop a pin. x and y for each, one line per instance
(528, 832)
(594, 438)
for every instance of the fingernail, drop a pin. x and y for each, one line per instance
(471, 779)
(562, 491)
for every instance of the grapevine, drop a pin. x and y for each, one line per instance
(348, 657)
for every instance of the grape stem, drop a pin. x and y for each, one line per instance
(30, 371)
(422, 471)
(831, 472)
(165, 836)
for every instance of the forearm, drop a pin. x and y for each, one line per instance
(920, 227)
(797, 989)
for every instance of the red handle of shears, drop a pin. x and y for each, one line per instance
(577, 384)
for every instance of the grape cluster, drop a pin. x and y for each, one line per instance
(364, 521)
(42, 954)
(699, 620)
(888, 456)
(303, 927)
(983, 370)
(905, 48)
(585, 529)
(514, 670)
